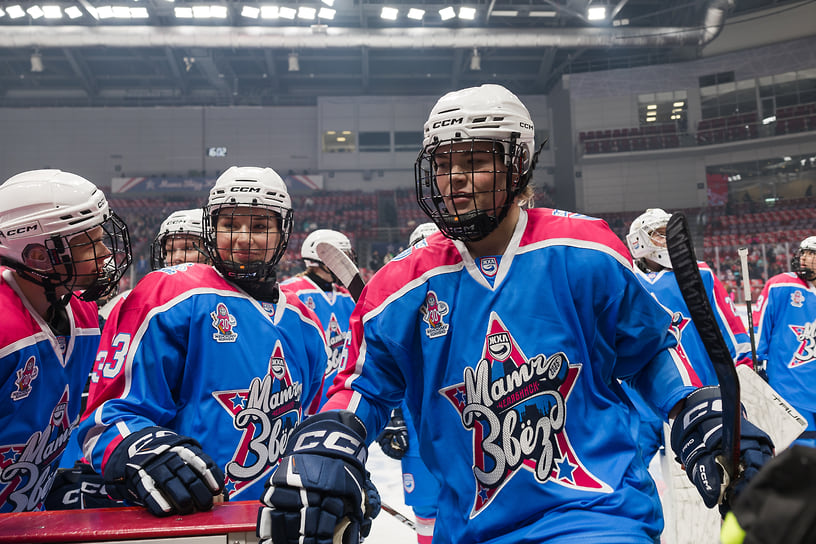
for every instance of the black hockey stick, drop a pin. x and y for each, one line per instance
(687, 273)
(349, 275)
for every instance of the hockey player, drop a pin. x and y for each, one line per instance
(507, 337)
(787, 334)
(207, 369)
(179, 240)
(318, 289)
(399, 441)
(647, 244)
(61, 248)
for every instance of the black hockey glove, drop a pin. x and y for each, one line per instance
(163, 471)
(78, 488)
(321, 487)
(696, 438)
(394, 438)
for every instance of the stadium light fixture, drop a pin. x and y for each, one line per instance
(120, 12)
(466, 13)
(389, 13)
(306, 13)
(329, 3)
(504, 13)
(541, 13)
(139, 13)
(294, 63)
(287, 13)
(250, 12)
(106, 12)
(201, 12)
(326, 13)
(15, 12)
(180, 12)
(270, 12)
(596, 13)
(416, 14)
(218, 12)
(52, 12)
(447, 13)
(2, 13)
(35, 12)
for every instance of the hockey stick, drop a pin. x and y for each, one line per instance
(349, 275)
(342, 267)
(684, 264)
(746, 286)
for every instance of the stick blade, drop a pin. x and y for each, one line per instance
(342, 267)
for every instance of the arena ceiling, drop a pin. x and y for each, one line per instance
(160, 59)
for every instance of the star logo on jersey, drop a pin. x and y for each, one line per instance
(224, 323)
(806, 352)
(432, 313)
(25, 376)
(797, 299)
(517, 410)
(267, 413)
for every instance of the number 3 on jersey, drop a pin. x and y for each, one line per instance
(110, 369)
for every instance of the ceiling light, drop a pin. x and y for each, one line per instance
(389, 14)
(651, 119)
(467, 13)
(181, 13)
(52, 12)
(305, 12)
(250, 11)
(329, 3)
(218, 12)
(447, 13)
(2, 12)
(651, 107)
(106, 12)
(269, 12)
(35, 11)
(287, 13)
(201, 12)
(326, 13)
(504, 13)
(36, 62)
(544, 13)
(596, 13)
(121, 12)
(475, 61)
(15, 12)
(294, 63)
(139, 13)
(678, 104)
(416, 14)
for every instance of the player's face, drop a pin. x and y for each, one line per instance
(659, 237)
(247, 235)
(808, 259)
(89, 254)
(470, 175)
(183, 248)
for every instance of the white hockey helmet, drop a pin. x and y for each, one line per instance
(308, 251)
(422, 231)
(47, 208)
(489, 113)
(248, 187)
(806, 273)
(642, 236)
(180, 222)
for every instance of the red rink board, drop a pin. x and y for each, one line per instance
(125, 523)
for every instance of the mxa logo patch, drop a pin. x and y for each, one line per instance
(489, 266)
(517, 410)
(806, 352)
(336, 338)
(432, 313)
(28, 470)
(224, 324)
(266, 414)
(25, 376)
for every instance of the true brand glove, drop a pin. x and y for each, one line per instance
(394, 438)
(321, 487)
(163, 471)
(696, 438)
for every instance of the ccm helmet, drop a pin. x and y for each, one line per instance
(244, 191)
(47, 209)
(187, 223)
(308, 251)
(642, 237)
(422, 231)
(495, 120)
(804, 272)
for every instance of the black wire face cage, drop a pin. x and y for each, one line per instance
(803, 272)
(240, 260)
(442, 161)
(159, 249)
(92, 274)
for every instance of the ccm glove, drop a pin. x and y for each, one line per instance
(321, 487)
(163, 471)
(394, 438)
(696, 438)
(79, 488)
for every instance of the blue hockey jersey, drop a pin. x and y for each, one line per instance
(787, 341)
(333, 309)
(189, 351)
(41, 393)
(514, 386)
